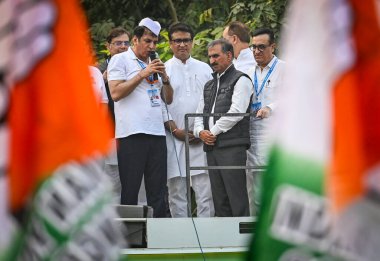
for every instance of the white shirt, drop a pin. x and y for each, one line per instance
(267, 95)
(260, 129)
(134, 113)
(188, 80)
(245, 60)
(98, 84)
(240, 100)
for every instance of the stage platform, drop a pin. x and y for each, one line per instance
(175, 238)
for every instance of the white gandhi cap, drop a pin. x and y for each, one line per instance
(154, 26)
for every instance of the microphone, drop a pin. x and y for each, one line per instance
(154, 55)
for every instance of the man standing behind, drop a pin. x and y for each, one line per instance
(137, 90)
(267, 76)
(237, 33)
(117, 42)
(226, 139)
(187, 77)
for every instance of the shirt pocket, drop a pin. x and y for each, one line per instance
(269, 92)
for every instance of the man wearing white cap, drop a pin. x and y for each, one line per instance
(138, 85)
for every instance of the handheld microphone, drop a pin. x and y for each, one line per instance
(154, 55)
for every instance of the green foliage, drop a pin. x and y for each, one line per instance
(207, 17)
(163, 47)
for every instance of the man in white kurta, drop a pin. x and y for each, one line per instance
(187, 76)
(237, 34)
(267, 76)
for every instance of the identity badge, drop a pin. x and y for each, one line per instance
(256, 106)
(154, 97)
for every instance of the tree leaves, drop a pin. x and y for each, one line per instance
(207, 17)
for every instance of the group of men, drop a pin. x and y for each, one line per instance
(150, 98)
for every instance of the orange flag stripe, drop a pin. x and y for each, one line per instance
(54, 116)
(356, 101)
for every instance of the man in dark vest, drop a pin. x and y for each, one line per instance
(226, 139)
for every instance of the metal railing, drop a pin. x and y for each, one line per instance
(187, 152)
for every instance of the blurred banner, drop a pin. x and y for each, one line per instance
(321, 193)
(50, 123)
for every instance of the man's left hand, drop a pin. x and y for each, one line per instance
(264, 112)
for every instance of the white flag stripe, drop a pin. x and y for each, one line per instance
(316, 54)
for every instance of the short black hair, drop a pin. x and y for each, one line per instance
(267, 31)
(180, 27)
(239, 29)
(115, 32)
(226, 46)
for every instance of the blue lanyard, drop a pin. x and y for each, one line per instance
(150, 77)
(256, 83)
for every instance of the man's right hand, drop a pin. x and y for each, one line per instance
(207, 137)
(181, 135)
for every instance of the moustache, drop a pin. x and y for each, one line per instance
(213, 64)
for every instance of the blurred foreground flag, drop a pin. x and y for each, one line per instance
(54, 115)
(51, 126)
(321, 193)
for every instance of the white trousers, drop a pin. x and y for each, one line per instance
(112, 171)
(250, 185)
(203, 197)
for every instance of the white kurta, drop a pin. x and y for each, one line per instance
(188, 81)
(244, 61)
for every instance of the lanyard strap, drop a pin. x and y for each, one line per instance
(150, 78)
(256, 84)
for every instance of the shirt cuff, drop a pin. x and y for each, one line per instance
(272, 106)
(215, 130)
(196, 132)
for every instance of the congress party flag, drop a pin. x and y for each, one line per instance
(51, 129)
(54, 115)
(321, 191)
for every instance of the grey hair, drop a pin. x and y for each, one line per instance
(226, 46)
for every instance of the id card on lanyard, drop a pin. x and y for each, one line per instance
(257, 104)
(153, 93)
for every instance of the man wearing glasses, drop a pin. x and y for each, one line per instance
(138, 86)
(237, 33)
(267, 76)
(187, 77)
(117, 42)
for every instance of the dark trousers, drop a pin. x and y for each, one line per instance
(138, 155)
(228, 186)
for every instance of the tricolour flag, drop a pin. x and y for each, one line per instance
(319, 193)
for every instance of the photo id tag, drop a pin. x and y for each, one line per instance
(256, 106)
(154, 97)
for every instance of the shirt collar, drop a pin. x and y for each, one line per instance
(221, 74)
(180, 62)
(244, 53)
(269, 64)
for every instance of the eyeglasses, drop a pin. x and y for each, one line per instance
(185, 41)
(260, 47)
(120, 43)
